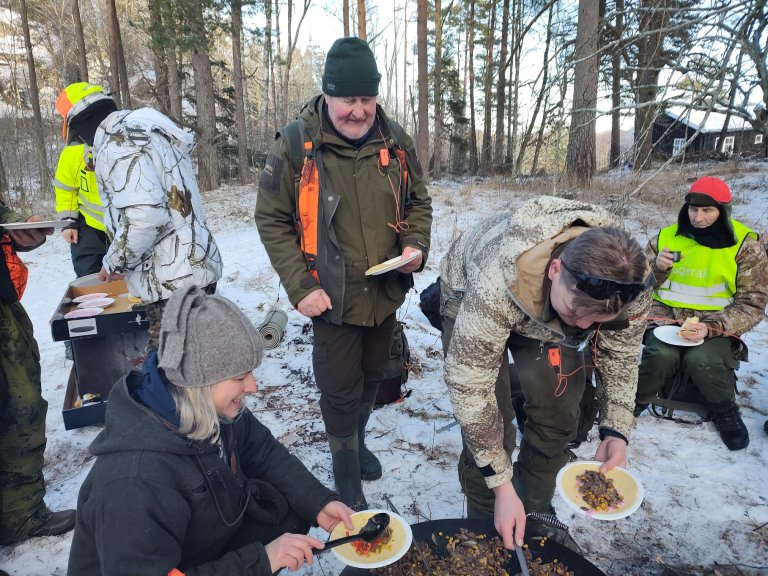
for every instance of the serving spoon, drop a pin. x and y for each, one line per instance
(373, 529)
(369, 532)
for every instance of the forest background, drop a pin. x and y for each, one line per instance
(512, 87)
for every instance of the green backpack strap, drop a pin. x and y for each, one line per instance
(294, 132)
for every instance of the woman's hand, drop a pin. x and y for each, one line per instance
(333, 513)
(291, 551)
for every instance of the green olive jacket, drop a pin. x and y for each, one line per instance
(359, 201)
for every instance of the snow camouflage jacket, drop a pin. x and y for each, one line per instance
(492, 278)
(749, 302)
(153, 211)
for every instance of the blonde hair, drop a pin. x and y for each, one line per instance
(197, 412)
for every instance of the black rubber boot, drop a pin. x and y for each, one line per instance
(731, 427)
(370, 467)
(346, 471)
(57, 523)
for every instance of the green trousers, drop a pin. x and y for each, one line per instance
(552, 415)
(22, 427)
(708, 370)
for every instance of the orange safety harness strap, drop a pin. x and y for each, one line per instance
(16, 268)
(307, 220)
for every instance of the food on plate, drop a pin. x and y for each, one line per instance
(86, 399)
(375, 546)
(538, 568)
(598, 491)
(465, 553)
(391, 544)
(685, 329)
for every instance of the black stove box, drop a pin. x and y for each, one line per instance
(104, 347)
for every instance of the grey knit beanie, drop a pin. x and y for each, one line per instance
(350, 69)
(206, 339)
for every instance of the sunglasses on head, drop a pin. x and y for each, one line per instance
(603, 288)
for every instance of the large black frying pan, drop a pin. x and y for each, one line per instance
(423, 531)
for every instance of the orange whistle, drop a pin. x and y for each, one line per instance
(384, 157)
(554, 357)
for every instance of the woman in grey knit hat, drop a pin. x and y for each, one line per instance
(187, 481)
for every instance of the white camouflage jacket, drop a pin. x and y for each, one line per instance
(153, 210)
(492, 279)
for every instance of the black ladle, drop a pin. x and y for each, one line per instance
(373, 529)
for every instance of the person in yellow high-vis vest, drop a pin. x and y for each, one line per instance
(77, 195)
(713, 269)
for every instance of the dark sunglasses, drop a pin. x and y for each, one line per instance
(603, 288)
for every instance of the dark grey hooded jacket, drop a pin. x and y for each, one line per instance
(155, 501)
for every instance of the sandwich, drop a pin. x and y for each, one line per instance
(686, 330)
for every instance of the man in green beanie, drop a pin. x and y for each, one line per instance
(341, 192)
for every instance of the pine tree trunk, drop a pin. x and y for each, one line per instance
(422, 148)
(473, 157)
(653, 19)
(34, 98)
(113, 29)
(237, 78)
(581, 143)
(207, 152)
(361, 24)
(485, 151)
(615, 153)
(501, 89)
(159, 41)
(82, 59)
(438, 99)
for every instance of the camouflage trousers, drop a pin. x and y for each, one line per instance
(22, 427)
(552, 416)
(709, 371)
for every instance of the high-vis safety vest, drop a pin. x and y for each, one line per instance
(705, 278)
(75, 185)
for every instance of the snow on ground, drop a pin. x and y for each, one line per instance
(705, 509)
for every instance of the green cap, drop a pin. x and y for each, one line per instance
(350, 69)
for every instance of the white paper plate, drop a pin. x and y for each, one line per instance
(390, 265)
(83, 313)
(402, 536)
(97, 303)
(669, 335)
(88, 297)
(31, 225)
(626, 483)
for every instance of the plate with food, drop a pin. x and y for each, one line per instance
(392, 264)
(671, 334)
(83, 313)
(384, 550)
(97, 303)
(88, 297)
(605, 496)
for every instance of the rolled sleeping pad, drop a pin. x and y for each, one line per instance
(273, 328)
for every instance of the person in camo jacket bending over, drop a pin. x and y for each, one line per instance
(551, 280)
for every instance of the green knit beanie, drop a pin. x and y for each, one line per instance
(350, 69)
